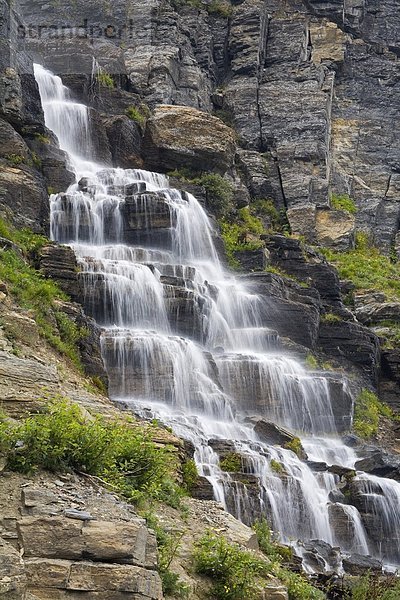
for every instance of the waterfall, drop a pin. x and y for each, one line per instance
(184, 341)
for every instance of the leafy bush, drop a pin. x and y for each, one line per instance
(367, 411)
(343, 202)
(267, 209)
(43, 139)
(15, 159)
(62, 438)
(330, 318)
(277, 467)
(189, 474)
(139, 114)
(219, 193)
(168, 545)
(298, 586)
(295, 446)
(104, 79)
(220, 8)
(372, 587)
(367, 267)
(236, 573)
(32, 291)
(231, 462)
(311, 361)
(235, 235)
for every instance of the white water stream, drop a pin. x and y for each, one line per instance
(147, 255)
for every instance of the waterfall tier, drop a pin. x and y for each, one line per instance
(187, 343)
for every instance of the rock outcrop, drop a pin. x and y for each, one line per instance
(102, 552)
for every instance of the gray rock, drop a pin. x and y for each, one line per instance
(358, 564)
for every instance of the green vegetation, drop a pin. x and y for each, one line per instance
(32, 291)
(104, 79)
(237, 236)
(36, 160)
(139, 114)
(311, 362)
(189, 475)
(168, 545)
(219, 191)
(330, 318)
(343, 202)
(235, 573)
(295, 446)
(220, 8)
(277, 467)
(298, 586)
(370, 587)
(265, 208)
(43, 139)
(367, 268)
(61, 438)
(15, 159)
(367, 411)
(231, 462)
(238, 573)
(390, 330)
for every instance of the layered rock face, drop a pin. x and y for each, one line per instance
(311, 85)
(74, 541)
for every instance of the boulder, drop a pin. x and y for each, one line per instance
(270, 433)
(382, 464)
(358, 564)
(178, 136)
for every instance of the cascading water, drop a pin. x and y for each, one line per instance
(185, 342)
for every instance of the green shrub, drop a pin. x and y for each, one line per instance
(43, 139)
(235, 573)
(219, 193)
(295, 446)
(15, 159)
(104, 79)
(168, 545)
(373, 587)
(234, 235)
(343, 202)
(330, 318)
(36, 160)
(367, 411)
(231, 462)
(189, 474)
(367, 267)
(32, 291)
(267, 209)
(277, 467)
(62, 438)
(139, 114)
(298, 586)
(312, 362)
